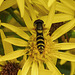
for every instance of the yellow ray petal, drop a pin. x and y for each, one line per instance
(1, 2)
(24, 28)
(28, 21)
(33, 15)
(52, 67)
(44, 72)
(23, 61)
(6, 4)
(50, 16)
(2, 62)
(34, 70)
(63, 8)
(62, 17)
(50, 2)
(21, 6)
(72, 68)
(62, 62)
(19, 72)
(16, 30)
(12, 55)
(7, 47)
(46, 1)
(72, 40)
(35, 1)
(43, 3)
(54, 60)
(63, 29)
(65, 56)
(58, 18)
(69, 3)
(65, 46)
(26, 66)
(41, 66)
(44, 18)
(16, 41)
(40, 9)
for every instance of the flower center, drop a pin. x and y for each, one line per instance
(34, 52)
(10, 69)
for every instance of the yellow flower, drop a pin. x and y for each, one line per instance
(51, 51)
(5, 66)
(44, 8)
(21, 3)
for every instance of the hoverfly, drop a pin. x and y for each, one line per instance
(39, 35)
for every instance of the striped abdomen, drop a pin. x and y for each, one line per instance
(39, 35)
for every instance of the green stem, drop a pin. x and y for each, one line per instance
(17, 18)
